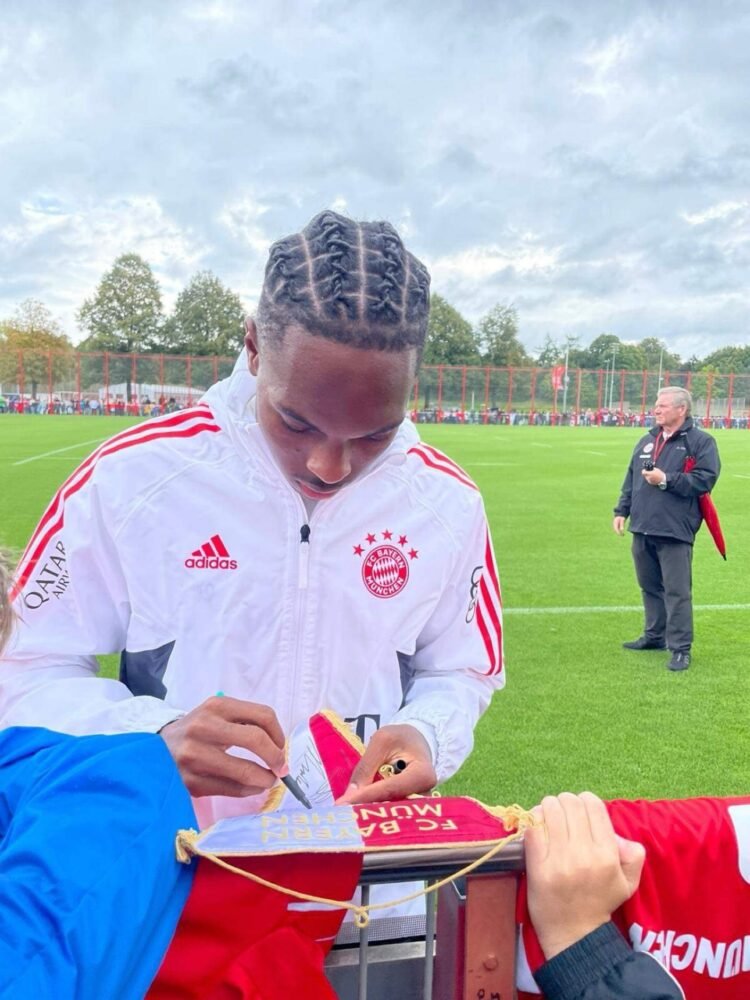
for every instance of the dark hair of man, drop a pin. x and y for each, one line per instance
(353, 282)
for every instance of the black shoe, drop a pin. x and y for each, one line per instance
(679, 661)
(643, 643)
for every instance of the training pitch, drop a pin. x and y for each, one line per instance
(578, 711)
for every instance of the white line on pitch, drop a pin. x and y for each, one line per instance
(538, 444)
(738, 476)
(616, 609)
(58, 451)
(602, 453)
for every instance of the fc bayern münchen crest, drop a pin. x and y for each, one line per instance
(385, 569)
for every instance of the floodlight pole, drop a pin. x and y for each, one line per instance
(565, 381)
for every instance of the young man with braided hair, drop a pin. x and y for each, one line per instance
(288, 542)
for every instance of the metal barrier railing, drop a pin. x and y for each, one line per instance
(468, 951)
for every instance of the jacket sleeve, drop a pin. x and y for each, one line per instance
(702, 477)
(626, 491)
(601, 966)
(71, 603)
(458, 661)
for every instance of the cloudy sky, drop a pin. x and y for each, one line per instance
(587, 162)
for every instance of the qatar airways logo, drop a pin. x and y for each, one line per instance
(213, 554)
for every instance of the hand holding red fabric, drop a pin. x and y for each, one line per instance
(579, 871)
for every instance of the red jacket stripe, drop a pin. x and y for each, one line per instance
(489, 561)
(168, 421)
(440, 456)
(491, 617)
(487, 639)
(440, 467)
(54, 517)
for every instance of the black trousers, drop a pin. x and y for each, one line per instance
(663, 567)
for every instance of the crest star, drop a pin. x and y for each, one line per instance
(370, 538)
(388, 535)
(358, 550)
(413, 554)
(402, 539)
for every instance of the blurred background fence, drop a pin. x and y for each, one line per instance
(81, 382)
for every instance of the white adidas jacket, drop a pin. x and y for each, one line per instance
(179, 543)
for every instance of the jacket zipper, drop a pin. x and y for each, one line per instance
(304, 560)
(302, 577)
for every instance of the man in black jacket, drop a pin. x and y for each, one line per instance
(661, 500)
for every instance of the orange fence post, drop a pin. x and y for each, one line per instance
(728, 422)
(579, 376)
(532, 402)
(709, 388)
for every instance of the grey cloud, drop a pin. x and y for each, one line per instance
(586, 130)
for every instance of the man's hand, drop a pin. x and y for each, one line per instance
(654, 476)
(618, 525)
(199, 741)
(578, 869)
(389, 744)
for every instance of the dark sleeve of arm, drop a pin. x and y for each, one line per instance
(601, 966)
(623, 504)
(702, 478)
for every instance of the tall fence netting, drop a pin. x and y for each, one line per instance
(107, 382)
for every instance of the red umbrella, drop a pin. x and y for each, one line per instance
(709, 512)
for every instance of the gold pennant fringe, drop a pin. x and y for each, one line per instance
(513, 817)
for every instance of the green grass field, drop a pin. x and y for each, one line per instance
(578, 711)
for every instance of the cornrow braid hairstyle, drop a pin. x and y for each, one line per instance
(353, 282)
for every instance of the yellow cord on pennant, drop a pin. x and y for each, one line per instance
(186, 845)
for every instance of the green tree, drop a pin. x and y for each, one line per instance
(207, 319)
(124, 316)
(450, 338)
(34, 332)
(656, 355)
(553, 352)
(550, 353)
(727, 359)
(608, 348)
(498, 337)
(125, 313)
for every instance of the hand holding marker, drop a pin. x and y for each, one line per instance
(286, 779)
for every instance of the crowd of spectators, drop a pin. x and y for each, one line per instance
(91, 405)
(97, 405)
(552, 418)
